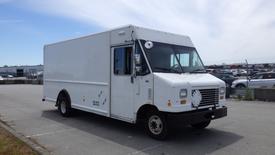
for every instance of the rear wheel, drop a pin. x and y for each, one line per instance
(201, 125)
(156, 126)
(64, 107)
(240, 86)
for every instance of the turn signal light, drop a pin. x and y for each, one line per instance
(183, 102)
(169, 103)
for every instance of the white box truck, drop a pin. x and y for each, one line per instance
(135, 75)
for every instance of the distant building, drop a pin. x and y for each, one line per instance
(20, 71)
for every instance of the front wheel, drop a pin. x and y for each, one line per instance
(201, 125)
(240, 86)
(156, 126)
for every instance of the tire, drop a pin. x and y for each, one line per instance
(156, 125)
(240, 86)
(201, 125)
(64, 107)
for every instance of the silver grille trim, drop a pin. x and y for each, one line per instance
(209, 97)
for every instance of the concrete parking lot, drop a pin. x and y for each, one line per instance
(248, 129)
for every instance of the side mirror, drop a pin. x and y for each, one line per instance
(137, 59)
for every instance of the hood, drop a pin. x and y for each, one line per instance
(192, 79)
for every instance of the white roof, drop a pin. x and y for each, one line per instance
(143, 33)
(164, 37)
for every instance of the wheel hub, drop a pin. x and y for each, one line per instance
(155, 124)
(63, 107)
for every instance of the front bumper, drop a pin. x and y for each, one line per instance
(196, 116)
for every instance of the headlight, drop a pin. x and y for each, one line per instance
(183, 93)
(222, 90)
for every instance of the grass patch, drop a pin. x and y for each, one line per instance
(249, 95)
(10, 145)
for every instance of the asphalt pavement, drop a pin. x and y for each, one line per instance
(248, 129)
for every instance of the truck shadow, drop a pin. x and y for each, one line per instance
(182, 140)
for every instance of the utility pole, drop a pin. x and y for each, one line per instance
(246, 73)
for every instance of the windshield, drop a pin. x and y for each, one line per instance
(257, 76)
(173, 58)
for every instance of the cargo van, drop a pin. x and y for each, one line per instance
(133, 74)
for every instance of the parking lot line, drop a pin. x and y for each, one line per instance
(48, 133)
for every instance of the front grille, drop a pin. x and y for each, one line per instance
(209, 97)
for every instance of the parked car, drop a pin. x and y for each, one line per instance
(6, 76)
(252, 72)
(259, 80)
(10, 76)
(227, 78)
(225, 71)
(234, 72)
(242, 72)
(211, 71)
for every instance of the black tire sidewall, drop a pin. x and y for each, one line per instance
(68, 108)
(201, 125)
(240, 86)
(164, 133)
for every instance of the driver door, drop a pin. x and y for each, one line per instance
(122, 87)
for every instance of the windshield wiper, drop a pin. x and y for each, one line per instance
(198, 71)
(178, 61)
(168, 69)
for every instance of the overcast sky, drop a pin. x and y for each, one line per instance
(224, 31)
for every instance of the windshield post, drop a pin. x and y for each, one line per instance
(145, 56)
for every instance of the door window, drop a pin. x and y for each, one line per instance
(267, 76)
(123, 60)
